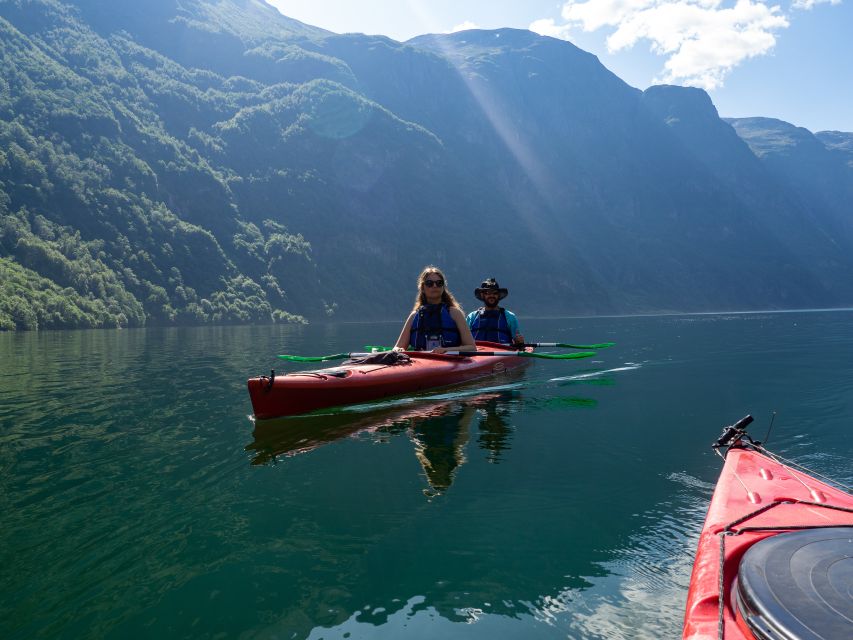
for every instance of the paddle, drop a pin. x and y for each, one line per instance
(563, 345)
(524, 354)
(334, 356)
(520, 354)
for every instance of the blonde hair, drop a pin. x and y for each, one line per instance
(446, 297)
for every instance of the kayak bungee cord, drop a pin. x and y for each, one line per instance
(721, 585)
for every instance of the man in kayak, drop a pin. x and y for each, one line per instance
(491, 322)
(436, 322)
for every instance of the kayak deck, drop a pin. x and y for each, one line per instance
(301, 392)
(756, 497)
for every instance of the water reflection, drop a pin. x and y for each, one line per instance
(495, 431)
(439, 430)
(440, 443)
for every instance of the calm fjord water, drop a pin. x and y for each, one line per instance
(564, 502)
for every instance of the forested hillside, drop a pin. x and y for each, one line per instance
(213, 161)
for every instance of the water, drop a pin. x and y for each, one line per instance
(564, 502)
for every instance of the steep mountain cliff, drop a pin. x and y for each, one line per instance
(214, 161)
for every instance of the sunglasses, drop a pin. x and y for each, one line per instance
(433, 283)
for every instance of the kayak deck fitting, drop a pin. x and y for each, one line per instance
(300, 392)
(775, 557)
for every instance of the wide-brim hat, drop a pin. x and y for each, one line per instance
(490, 285)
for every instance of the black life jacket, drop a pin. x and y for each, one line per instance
(434, 327)
(491, 325)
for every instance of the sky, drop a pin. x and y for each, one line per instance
(791, 60)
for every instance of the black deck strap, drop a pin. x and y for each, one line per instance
(387, 358)
(730, 528)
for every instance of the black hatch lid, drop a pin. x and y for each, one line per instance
(799, 585)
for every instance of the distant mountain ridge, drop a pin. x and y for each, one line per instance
(202, 161)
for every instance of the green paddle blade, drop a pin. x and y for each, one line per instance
(373, 347)
(334, 356)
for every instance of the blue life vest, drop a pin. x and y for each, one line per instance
(434, 327)
(491, 325)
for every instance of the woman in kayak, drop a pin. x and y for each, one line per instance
(436, 322)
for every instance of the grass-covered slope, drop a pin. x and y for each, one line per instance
(102, 199)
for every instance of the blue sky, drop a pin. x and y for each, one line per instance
(791, 60)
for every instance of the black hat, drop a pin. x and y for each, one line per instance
(492, 285)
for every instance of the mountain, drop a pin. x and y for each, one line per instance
(202, 161)
(816, 171)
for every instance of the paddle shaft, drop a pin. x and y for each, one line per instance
(467, 354)
(561, 345)
(334, 356)
(565, 345)
(524, 354)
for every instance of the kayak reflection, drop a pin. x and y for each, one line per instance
(439, 430)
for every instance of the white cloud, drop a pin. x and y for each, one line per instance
(703, 40)
(547, 27)
(465, 26)
(808, 4)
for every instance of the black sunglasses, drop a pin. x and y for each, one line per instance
(433, 283)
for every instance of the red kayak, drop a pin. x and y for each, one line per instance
(775, 558)
(303, 391)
